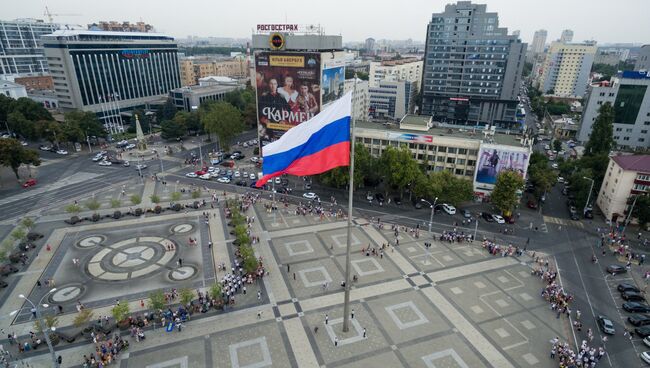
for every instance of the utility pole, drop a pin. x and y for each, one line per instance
(629, 214)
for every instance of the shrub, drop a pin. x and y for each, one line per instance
(136, 199)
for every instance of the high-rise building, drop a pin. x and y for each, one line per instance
(566, 69)
(628, 94)
(360, 97)
(21, 50)
(472, 68)
(566, 36)
(539, 41)
(391, 99)
(111, 72)
(370, 45)
(408, 69)
(643, 60)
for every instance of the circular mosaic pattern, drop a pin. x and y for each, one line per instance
(67, 293)
(91, 241)
(181, 228)
(182, 273)
(131, 259)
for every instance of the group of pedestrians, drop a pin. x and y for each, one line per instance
(107, 351)
(502, 250)
(586, 356)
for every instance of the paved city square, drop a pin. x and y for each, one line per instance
(448, 305)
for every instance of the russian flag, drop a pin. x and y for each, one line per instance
(313, 147)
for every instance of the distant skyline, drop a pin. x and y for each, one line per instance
(605, 21)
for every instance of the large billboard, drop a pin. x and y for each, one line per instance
(494, 159)
(288, 91)
(333, 80)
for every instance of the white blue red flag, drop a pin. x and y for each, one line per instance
(313, 147)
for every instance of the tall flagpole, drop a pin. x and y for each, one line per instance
(348, 284)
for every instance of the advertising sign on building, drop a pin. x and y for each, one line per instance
(333, 81)
(288, 91)
(494, 159)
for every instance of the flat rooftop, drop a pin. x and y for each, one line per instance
(462, 133)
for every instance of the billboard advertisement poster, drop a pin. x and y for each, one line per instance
(494, 159)
(333, 80)
(419, 138)
(288, 91)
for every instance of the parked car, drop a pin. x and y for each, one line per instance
(646, 342)
(105, 163)
(606, 325)
(380, 197)
(636, 307)
(205, 176)
(466, 214)
(616, 269)
(632, 296)
(29, 183)
(645, 356)
(532, 205)
(499, 219)
(224, 180)
(126, 164)
(643, 332)
(191, 175)
(624, 286)
(639, 320)
(44, 148)
(487, 217)
(62, 152)
(397, 201)
(451, 210)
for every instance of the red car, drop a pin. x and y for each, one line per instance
(200, 172)
(29, 183)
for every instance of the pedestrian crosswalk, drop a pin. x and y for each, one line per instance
(561, 221)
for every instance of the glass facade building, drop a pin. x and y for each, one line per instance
(111, 72)
(21, 50)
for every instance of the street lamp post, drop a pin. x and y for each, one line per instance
(588, 196)
(39, 317)
(433, 207)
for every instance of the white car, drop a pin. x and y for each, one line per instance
(278, 180)
(554, 165)
(254, 159)
(23, 143)
(369, 197)
(645, 356)
(214, 174)
(451, 210)
(105, 163)
(205, 176)
(191, 175)
(646, 341)
(237, 174)
(98, 158)
(498, 219)
(310, 195)
(252, 177)
(224, 180)
(560, 179)
(44, 148)
(140, 167)
(212, 169)
(130, 146)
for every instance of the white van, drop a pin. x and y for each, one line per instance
(451, 210)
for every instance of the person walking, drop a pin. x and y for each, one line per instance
(352, 314)
(327, 319)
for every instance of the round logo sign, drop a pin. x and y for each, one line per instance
(276, 40)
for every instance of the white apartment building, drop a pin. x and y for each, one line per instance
(395, 70)
(566, 69)
(625, 178)
(360, 98)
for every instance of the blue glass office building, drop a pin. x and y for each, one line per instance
(111, 72)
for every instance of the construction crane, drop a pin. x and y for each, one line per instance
(51, 15)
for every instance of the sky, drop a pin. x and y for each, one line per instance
(606, 21)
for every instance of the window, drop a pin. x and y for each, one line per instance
(440, 159)
(460, 161)
(462, 151)
(442, 149)
(450, 160)
(451, 150)
(471, 163)
(459, 172)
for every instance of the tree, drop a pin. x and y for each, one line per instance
(121, 310)
(86, 122)
(157, 300)
(601, 139)
(93, 205)
(193, 123)
(642, 210)
(399, 168)
(19, 234)
(20, 125)
(504, 196)
(171, 129)
(115, 203)
(186, 295)
(84, 316)
(215, 290)
(168, 111)
(13, 154)
(557, 145)
(196, 194)
(27, 223)
(49, 130)
(176, 196)
(224, 120)
(30, 109)
(136, 199)
(73, 209)
(154, 198)
(50, 321)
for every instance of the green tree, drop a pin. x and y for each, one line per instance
(176, 196)
(504, 196)
(73, 209)
(453, 190)
(601, 139)
(154, 199)
(171, 129)
(20, 125)
(168, 111)
(157, 300)
(215, 290)
(115, 203)
(93, 205)
(557, 145)
(30, 109)
(399, 168)
(85, 122)
(193, 122)
(19, 234)
(13, 154)
(50, 321)
(186, 295)
(196, 194)
(49, 130)
(71, 132)
(642, 210)
(223, 120)
(27, 223)
(136, 199)
(121, 311)
(82, 318)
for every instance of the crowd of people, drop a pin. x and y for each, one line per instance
(586, 357)
(502, 250)
(107, 350)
